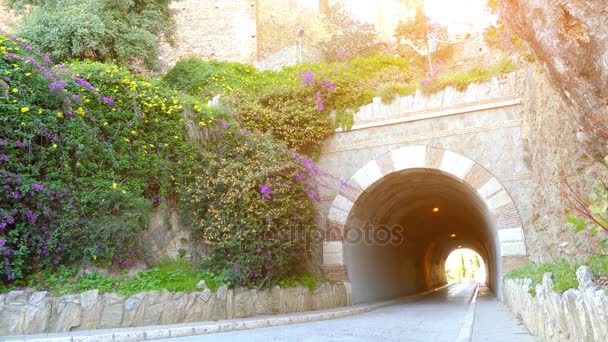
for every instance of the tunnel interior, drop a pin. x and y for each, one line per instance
(403, 227)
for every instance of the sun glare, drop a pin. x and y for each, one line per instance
(457, 12)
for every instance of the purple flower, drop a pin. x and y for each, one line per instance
(2, 225)
(265, 191)
(3, 141)
(307, 78)
(37, 186)
(319, 101)
(300, 178)
(84, 83)
(19, 144)
(108, 100)
(31, 217)
(9, 219)
(47, 59)
(57, 85)
(2, 243)
(10, 277)
(329, 85)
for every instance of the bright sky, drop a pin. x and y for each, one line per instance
(448, 12)
(445, 12)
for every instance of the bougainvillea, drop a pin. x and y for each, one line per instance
(253, 204)
(85, 151)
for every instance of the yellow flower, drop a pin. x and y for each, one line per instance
(80, 111)
(127, 139)
(202, 123)
(24, 109)
(14, 90)
(54, 145)
(59, 114)
(133, 132)
(105, 123)
(40, 111)
(114, 185)
(124, 191)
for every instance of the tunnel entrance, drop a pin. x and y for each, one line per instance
(464, 265)
(392, 227)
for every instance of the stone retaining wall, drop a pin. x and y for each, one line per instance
(575, 315)
(38, 312)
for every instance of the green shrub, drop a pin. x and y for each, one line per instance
(85, 152)
(252, 203)
(461, 79)
(296, 104)
(103, 30)
(564, 271)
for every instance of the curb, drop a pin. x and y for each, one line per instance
(466, 330)
(148, 333)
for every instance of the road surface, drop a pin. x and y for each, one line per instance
(445, 315)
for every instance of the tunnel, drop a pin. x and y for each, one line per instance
(402, 228)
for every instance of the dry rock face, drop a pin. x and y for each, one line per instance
(38, 312)
(553, 151)
(571, 39)
(575, 315)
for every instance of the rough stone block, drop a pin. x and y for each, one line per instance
(66, 313)
(111, 311)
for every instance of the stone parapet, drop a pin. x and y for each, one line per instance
(33, 313)
(575, 315)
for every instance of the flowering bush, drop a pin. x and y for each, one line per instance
(252, 202)
(300, 105)
(85, 151)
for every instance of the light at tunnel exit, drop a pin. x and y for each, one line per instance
(464, 265)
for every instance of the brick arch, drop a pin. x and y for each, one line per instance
(499, 203)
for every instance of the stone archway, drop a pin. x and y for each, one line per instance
(501, 215)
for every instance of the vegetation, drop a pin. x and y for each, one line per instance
(564, 271)
(88, 149)
(424, 34)
(467, 268)
(123, 32)
(349, 38)
(461, 79)
(173, 275)
(252, 203)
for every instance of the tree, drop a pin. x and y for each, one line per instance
(423, 33)
(102, 30)
(349, 37)
(462, 269)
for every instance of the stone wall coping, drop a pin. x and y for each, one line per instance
(579, 314)
(37, 312)
(203, 328)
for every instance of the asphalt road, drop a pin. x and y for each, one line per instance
(438, 316)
